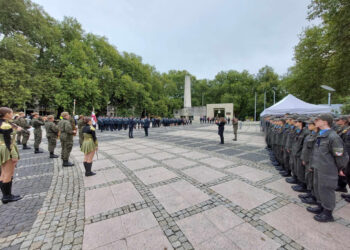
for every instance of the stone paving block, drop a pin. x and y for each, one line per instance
(127, 157)
(246, 236)
(179, 163)
(344, 212)
(176, 150)
(103, 233)
(198, 229)
(140, 163)
(116, 151)
(203, 174)
(98, 164)
(230, 152)
(103, 177)
(223, 218)
(150, 239)
(243, 194)
(154, 175)
(217, 162)
(295, 222)
(218, 242)
(117, 245)
(98, 201)
(250, 173)
(148, 150)
(283, 187)
(178, 195)
(138, 221)
(125, 194)
(253, 157)
(161, 156)
(195, 155)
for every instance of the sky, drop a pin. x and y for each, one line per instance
(203, 37)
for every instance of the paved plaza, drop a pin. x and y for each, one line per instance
(176, 189)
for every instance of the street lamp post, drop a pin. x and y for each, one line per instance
(330, 89)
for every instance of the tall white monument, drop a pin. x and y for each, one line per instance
(187, 93)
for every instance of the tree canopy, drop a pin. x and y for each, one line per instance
(50, 63)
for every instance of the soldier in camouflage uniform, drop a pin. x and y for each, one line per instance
(36, 123)
(22, 122)
(345, 135)
(51, 135)
(235, 127)
(289, 144)
(81, 125)
(66, 137)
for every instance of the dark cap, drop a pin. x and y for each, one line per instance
(343, 117)
(311, 120)
(325, 117)
(301, 119)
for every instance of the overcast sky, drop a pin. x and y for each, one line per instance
(201, 36)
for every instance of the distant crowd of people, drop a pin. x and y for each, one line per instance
(312, 152)
(119, 123)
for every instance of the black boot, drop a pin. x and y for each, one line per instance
(38, 151)
(292, 180)
(315, 210)
(347, 199)
(26, 147)
(67, 164)
(52, 155)
(309, 200)
(19, 143)
(7, 196)
(307, 195)
(88, 171)
(286, 174)
(325, 216)
(15, 196)
(300, 188)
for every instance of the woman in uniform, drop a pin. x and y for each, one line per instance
(8, 154)
(89, 146)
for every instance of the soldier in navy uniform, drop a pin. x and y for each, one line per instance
(131, 127)
(146, 123)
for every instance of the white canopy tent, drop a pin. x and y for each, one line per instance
(291, 104)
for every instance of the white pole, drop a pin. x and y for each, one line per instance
(74, 108)
(329, 98)
(274, 97)
(255, 108)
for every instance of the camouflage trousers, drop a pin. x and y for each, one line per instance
(25, 136)
(51, 141)
(37, 137)
(309, 177)
(67, 146)
(19, 135)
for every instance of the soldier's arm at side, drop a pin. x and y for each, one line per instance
(340, 155)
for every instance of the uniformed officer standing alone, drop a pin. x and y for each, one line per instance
(66, 138)
(51, 135)
(235, 127)
(36, 123)
(146, 123)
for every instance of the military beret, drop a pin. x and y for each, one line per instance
(325, 117)
(50, 117)
(35, 113)
(311, 120)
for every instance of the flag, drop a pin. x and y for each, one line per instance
(93, 118)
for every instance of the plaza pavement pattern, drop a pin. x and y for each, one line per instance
(176, 189)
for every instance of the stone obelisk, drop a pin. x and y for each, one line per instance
(187, 93)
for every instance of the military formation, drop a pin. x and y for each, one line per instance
(120, 123)
(312, 152)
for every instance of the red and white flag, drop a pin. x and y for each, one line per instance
(93, 118)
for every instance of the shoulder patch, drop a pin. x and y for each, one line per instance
(338, 151)
(92, 128)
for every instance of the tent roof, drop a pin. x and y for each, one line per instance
(291, 104)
